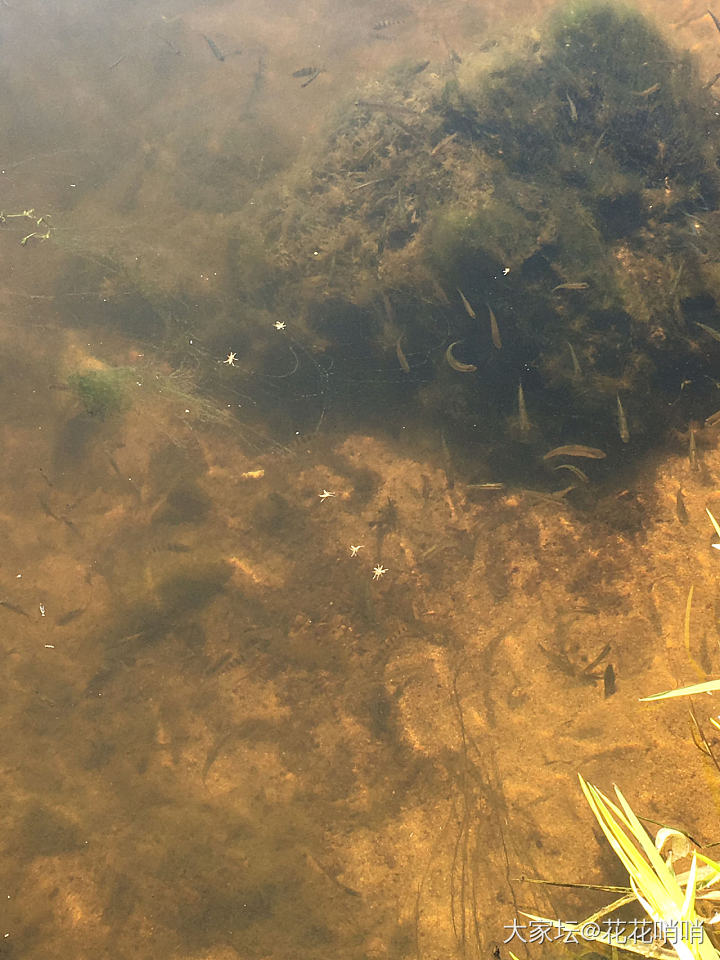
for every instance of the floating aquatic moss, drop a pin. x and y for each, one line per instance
(103, 392)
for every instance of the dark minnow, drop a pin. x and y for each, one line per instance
(310, 79)
(680, 507)
(216, 51)
(15, 608)
(70, 616)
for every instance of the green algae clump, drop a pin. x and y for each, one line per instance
(103, 392)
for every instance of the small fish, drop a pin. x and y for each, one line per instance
(418, 67)
(393, 109)
(494, 329)
(402, 359)
(609, 681)
(522, 412)
(601, 656)
(443, 143)
(692, 451)
(680, 507)
(448, 461)
(216, 52)
(575, 450)
(466, 303)
(486, 486)
(557, 496)
(331, 876)
(573, 110)
(577, 369)
(709, 330)
(456, 364)
(576, 471)
(46, 509)
(622, 421)
(389, 311)
(650, 90)
(70, 616)
(310, 79)
(15, 608)
(596, 148)
(680, 270)
(571, 286)
(305, 72)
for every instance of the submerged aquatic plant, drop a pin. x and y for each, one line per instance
(111, 390)
(668, 897)
(103, 392)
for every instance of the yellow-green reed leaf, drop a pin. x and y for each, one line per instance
(651, 851)
(708, 687)
(711, 863)
(653, 879)
(713, 521)
(654, 882)
(689, 904)
(636, 865)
